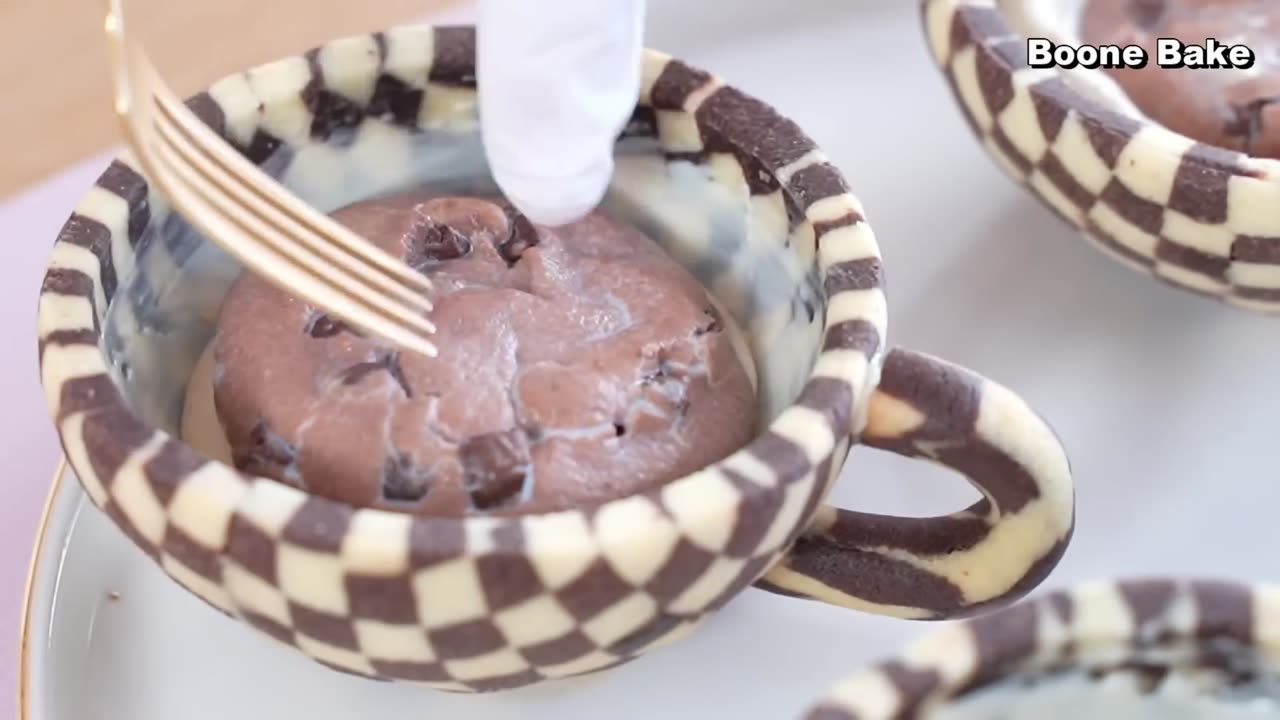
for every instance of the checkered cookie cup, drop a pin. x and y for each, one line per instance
(1134, 632)
(484, 603)
(1200, 218)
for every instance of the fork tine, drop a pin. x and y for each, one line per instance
(190, 191)
(294, 229)
(267, 205)
(122, 82)
(290, 231)
(408, 329)
(189, 170)
(185, 191)
(253, 178)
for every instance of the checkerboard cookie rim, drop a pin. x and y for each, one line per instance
(1152, 199)
(1035, 634)
(239, 543)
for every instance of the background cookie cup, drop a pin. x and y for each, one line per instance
(1195, 216)
(491, 602)
(1196, 640)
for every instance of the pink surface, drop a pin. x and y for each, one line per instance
(28, 443)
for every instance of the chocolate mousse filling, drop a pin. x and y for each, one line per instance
(1235, 109)
(577, 364)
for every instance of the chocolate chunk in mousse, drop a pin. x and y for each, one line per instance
(521, 237)
(576, 364)
(494, 467)
(402, 481)
(265, 452)
(1236, 109)
(323, 325)
(432, 242)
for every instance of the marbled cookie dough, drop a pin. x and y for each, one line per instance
(1232, 109)
(576, 364)
(1131, 649)
(1146, 692)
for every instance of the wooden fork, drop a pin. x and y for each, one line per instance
(258, 221)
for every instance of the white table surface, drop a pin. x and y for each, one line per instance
(1166, 402)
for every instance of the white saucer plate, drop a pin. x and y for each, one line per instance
(109, 637)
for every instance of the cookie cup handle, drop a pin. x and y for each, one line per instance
(955, 565)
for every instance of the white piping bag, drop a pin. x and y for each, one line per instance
(558, 80)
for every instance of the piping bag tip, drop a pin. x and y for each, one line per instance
(555, 200)
(558, 82)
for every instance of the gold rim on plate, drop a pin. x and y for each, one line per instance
(24, 627)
